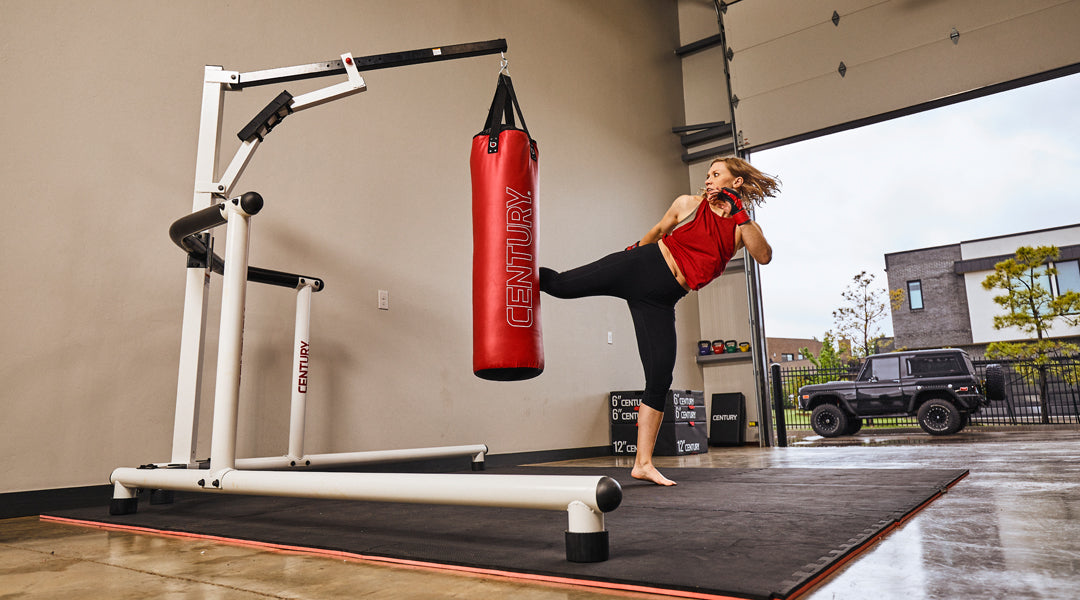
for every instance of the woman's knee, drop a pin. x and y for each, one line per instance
(655, 399)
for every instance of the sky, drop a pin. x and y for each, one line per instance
(1001, 164)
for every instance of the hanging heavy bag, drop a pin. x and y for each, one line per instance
(507, 340)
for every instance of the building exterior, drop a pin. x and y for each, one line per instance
(788, 351)
(944, 302)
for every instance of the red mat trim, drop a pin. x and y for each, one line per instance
(399, 562)
(857, 551)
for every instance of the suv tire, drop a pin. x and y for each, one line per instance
(829, 420)
(940, 417)
(854, 425)
(995, 383)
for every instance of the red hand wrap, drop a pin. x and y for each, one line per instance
(737, 211)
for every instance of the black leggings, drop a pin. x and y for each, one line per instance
(641, 277)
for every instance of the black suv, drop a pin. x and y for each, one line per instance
(938, 386)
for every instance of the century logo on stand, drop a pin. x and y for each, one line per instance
(302, 368)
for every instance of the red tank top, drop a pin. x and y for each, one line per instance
(702, 247)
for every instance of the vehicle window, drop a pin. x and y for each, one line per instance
(932, 366)
(867, 371)
(882, 369)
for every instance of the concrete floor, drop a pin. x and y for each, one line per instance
(1009, 530)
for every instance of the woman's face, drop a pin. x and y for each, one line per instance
(719, 177)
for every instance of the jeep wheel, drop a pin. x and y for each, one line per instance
(829, 420)
(853, 426)
(939, 417)
(995, 383)
(965, 419)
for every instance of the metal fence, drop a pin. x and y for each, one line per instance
(1034, 395)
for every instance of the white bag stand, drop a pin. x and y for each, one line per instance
(585, 498)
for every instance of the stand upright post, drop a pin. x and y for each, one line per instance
(301, 354)
(197, 287)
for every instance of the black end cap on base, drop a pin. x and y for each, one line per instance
(162, 496)
(479, 465)
(587, 547)
(123, 506)
(608, 494)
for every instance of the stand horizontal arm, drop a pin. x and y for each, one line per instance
(369, 63)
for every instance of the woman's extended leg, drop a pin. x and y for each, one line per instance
(613, 275)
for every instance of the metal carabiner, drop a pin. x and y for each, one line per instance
(504, 65)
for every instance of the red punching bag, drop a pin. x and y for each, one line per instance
(507, 341)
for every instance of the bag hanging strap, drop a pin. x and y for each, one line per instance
(505, 104)
(513, 98)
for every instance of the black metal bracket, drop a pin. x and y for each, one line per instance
(692, 135)
(268, 118)
(702, 44)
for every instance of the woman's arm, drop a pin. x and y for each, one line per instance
(751, 236)
(679, 210)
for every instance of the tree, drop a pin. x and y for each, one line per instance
(858, 319)
(828, 359)
(1033, 309)
(830, 363)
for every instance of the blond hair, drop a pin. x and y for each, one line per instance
(756, 186)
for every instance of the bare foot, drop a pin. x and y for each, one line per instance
(649, 473)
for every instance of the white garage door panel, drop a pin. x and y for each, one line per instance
(751, 23)
(897, 54)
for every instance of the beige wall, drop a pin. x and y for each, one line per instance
(372, 192)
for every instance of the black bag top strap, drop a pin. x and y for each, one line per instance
(503, 106)
(513, 98)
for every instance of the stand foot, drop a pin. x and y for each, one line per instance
(162, 497)
(587, 547)
(124, 506)
(478, 465)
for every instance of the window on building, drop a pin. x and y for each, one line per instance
(787, 357)
(914, 295)
(1024, 285)
(1068, 276)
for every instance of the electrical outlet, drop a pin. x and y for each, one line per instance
(609, 338)
(384, 300)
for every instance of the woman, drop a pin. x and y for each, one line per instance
(657, 271)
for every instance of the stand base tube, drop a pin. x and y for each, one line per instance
(585, 498)
(345, 459)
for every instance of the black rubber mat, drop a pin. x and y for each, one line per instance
(746, 533)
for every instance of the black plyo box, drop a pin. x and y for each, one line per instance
(728, 427)
(674, 439)
(682, 406)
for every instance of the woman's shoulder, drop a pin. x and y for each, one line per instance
(688, 201)
(684, 206)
